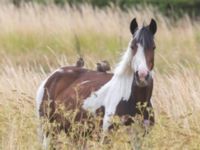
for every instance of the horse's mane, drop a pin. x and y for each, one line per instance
(117, 89)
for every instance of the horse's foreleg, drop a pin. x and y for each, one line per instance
(148, 115)
(106, 122)
(109, 113)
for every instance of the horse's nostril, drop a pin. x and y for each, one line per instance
(137, 74)
(147, 76)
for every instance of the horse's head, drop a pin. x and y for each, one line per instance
(143, 47)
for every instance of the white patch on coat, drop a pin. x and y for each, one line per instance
(70, 71)
(84, 82)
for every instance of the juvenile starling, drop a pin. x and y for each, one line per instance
(103, 66)
(80, 62)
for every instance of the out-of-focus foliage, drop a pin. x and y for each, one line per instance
(168, 7)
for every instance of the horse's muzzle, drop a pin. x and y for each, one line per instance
(142, 80)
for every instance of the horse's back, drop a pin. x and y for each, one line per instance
(69, 85)
(60, 80)
(89, 81)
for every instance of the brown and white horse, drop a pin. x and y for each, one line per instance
(117, 93)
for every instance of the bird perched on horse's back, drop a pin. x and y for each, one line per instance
(103, 66)
(80, 62)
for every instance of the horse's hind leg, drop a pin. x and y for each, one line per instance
(42, 136)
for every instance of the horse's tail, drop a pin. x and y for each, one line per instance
(41, 95)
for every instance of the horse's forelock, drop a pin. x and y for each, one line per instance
(144, 37)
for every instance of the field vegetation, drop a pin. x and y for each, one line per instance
(36, 39)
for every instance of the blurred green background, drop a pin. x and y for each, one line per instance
(168, 7)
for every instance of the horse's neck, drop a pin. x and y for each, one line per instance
(141, 94)
(124, 66)
(119, 87)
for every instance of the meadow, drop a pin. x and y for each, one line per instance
(35, 40)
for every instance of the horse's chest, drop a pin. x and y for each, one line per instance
(125, 108)
(138, 95)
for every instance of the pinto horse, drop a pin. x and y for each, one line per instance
(117, 93)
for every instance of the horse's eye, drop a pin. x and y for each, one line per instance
(154, 48)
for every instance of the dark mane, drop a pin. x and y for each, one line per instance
(144, 37)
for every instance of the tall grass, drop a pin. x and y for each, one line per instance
(35, 40)
(39, 30)
(176, 105)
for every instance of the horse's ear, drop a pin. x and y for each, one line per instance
(153, 26)
(133, 26)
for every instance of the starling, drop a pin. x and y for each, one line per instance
(103, 66)
(80, 62)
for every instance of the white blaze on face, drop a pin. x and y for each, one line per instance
(139, 63)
